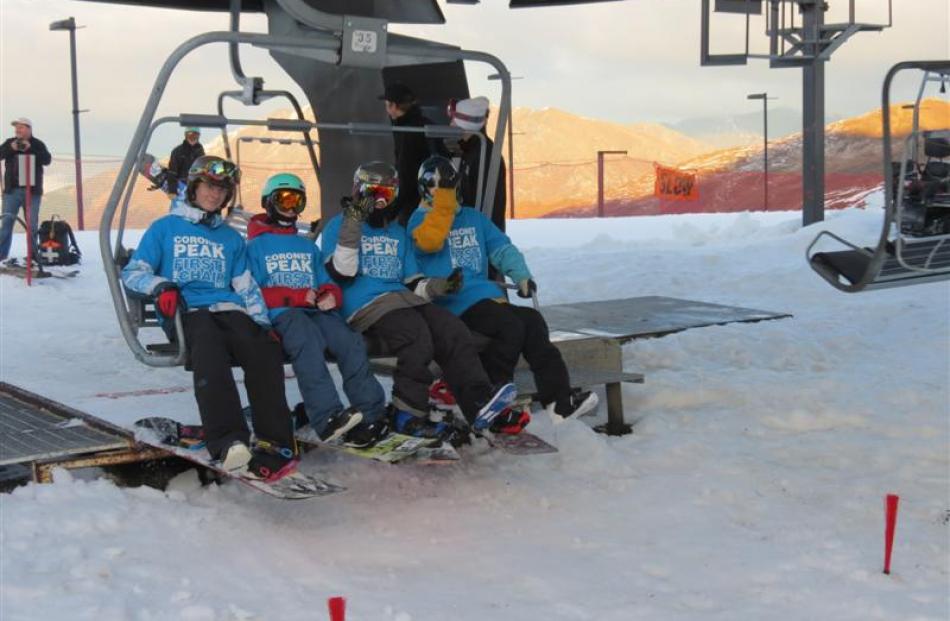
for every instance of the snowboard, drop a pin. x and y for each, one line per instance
(187, 442)
(523, 443)
(391, 449)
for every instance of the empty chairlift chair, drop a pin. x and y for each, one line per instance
(914, 244)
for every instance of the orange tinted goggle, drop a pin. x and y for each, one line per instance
(380, 192)
(288, 200)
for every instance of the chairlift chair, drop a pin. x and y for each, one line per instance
(322, 45)
(914, 244)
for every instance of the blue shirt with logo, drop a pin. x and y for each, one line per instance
(293, 261)
(472, 244)
(206, 259)
(386, 263)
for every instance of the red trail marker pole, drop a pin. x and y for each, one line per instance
(337, 608)
(27, 211)
(890, 522)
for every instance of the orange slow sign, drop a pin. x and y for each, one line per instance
(673, 184)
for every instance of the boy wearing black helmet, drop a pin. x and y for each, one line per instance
(303, 305)
(194, 264)
(448, 237)
(384, 296)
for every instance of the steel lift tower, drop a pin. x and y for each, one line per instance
(798, 37)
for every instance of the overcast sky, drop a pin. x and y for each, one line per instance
(633, 61)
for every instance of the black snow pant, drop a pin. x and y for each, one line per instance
(214, 340)
(421, 334)
(516, 330)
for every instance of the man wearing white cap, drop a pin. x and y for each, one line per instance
(470, 115)
(14, 188)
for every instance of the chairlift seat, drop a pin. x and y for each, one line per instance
(852, 265)
(937, 146)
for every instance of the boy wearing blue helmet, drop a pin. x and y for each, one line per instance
(303, 305)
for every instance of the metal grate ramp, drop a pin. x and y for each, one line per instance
(34, 429)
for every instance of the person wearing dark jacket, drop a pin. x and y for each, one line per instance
(14, 194)
(181, 159)
(410, 148)
(470, 115)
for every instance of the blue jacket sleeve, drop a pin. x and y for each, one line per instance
(503, 254)
(140, 273)
(246, 287)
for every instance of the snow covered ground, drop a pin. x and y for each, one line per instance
(752, 488)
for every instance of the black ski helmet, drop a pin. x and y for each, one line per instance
(437, 172)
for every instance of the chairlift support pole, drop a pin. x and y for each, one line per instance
(813, 115)
(808, 46)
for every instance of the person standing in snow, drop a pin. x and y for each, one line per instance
(14, 194)
(448, 237)
(181, 159)
(191, 263)
(304, 308)
(410, 148)
(385, 297)
(471, 115)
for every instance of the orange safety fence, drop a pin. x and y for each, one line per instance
(544, 189)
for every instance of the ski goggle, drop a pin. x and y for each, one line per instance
(379, 193)
(288, 200)
(221, 172)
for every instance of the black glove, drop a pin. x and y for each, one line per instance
(527, 288)
(356, 211)
(454, 281)
(438, 286)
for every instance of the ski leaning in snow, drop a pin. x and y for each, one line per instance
(391, 448)
(186, 441)
(14, 267)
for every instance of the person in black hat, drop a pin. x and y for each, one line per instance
(411, 148)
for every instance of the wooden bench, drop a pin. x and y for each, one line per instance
(591, 362)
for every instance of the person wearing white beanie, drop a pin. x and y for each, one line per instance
(471, 116)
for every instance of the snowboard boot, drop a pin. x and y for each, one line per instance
(365, 435)
(441, 397)
(511, 422)
(340, 423)
(270, 463)
(411, 425)
(236, 458)
(497, 404)
(576, 404)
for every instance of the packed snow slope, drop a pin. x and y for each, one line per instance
(752, 487)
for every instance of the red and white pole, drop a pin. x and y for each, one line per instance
(27, 210)
(890, 522)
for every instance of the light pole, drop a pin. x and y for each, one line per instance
(765, 139)
(600, 179)
(70, 25)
